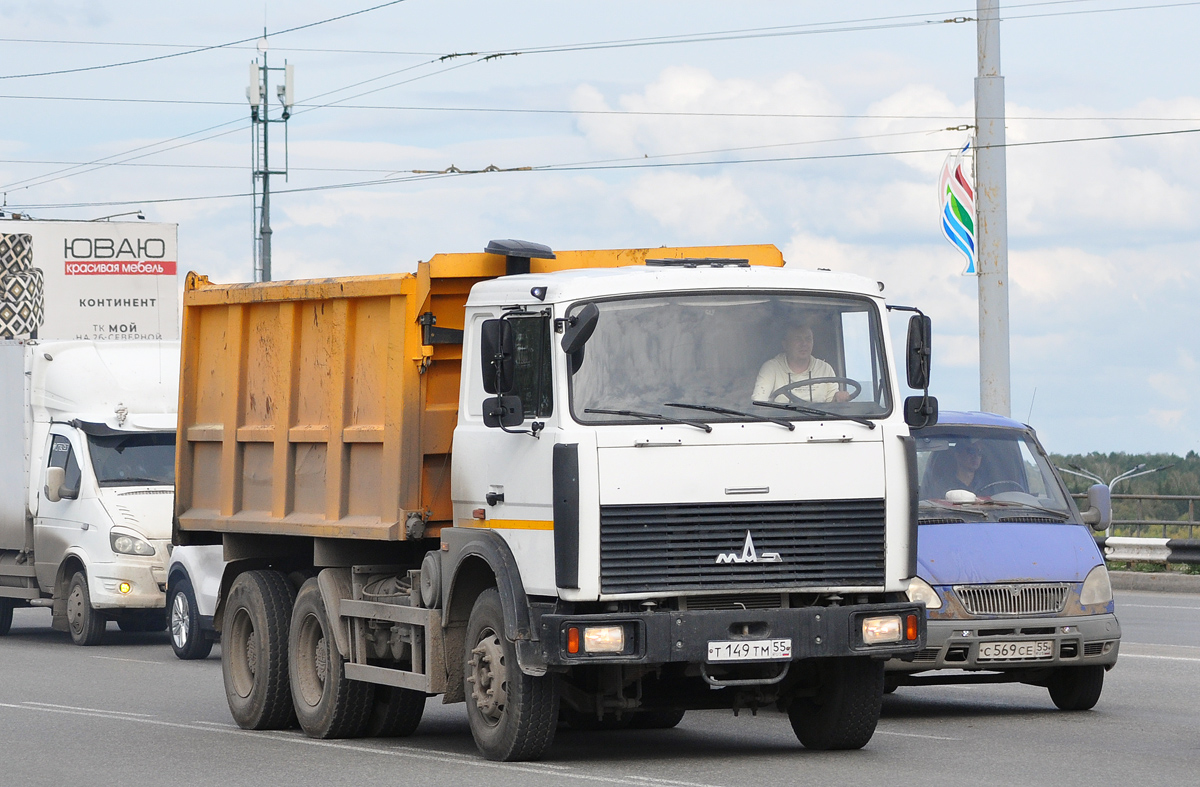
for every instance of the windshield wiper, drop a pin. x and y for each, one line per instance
(711, 408)
(799, 408)
(1033, 506)
(136, 480)
(651, 417)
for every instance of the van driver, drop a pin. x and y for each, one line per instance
(795, 364)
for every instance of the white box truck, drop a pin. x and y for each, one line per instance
(87, 452)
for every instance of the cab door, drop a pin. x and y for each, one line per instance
(57, 526)
(503, 476)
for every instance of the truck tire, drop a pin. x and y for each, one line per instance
(1077, 688)
(85, 623)
(845, 710)
(254, 660)
(187, 640)
(6, 613)
(656, 719)
(396, 712)
(512, 715)
(327, 703)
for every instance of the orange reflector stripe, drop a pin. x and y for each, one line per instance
(572, 640)
(910, 629)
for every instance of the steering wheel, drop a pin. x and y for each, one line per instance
(1013, 486)
(786, 390)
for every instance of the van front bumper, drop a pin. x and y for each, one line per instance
(663, 637)
(146, 576)
(1075, 641)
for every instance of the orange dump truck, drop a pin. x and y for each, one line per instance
(585, 486)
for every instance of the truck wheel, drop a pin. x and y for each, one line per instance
(512, 715)
(845, 710)
(187, 640)
(85, 623)
(6, 613)
(1077, 688)
(327, 703)
(396, 712)
(254, 659)
(656, 719)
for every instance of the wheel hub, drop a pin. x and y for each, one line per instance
(179, 621)
(489, 678)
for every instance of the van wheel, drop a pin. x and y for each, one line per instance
(512, 715)
(187, 640)
(845, 710)
(85, 623)
(6, 613)
(327, 703)
(254, 657)
(1077, 688)
(396, 712)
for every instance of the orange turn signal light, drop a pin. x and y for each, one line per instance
(910, 628)
(572, 640)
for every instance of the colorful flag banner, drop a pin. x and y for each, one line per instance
(958, 206)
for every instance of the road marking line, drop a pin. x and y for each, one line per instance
(135, 661)
(916, 735)
(1161, 658)
(89, 710)
(440, 758)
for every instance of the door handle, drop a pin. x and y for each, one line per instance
(493, 498)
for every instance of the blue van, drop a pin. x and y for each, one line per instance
(1014, 585)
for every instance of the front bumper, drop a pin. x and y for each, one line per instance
(954, 644)
(147, 577)
(683, 636)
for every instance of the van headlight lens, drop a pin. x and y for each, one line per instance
(1096, 588)
(922, 592)
(125, 544)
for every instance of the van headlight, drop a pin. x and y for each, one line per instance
(922, 592)
(125, 544)
(1096, 588)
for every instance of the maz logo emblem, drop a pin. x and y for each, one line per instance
(749, 555)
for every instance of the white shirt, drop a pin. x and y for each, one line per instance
(776, 373)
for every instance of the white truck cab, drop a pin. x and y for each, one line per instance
(87, 450)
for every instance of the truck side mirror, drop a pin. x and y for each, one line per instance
(497, 356)
(1099, 512)
(920, 411)
(54, 481)
(920, 353)
(503, 412)
(580, 328)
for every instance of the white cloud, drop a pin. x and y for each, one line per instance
(705, 208)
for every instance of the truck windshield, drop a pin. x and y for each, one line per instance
(667, 354)
(989, 470)
(144, 459)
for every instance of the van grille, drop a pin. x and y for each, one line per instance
(1041, 599)
(676, 547)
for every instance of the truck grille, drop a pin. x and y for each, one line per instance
(677, 547)
(1041, 599)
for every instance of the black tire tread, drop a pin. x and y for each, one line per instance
(277, 596)
(848, 710)
(1077, 688)
(94, 622)
(6, 615)
(395, 712)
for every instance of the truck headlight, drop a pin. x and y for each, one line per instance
(876, 631)
(922, 592)
(604, 639)
(124, 544)
(1096, 588)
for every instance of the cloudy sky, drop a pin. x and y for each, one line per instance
(667, 123)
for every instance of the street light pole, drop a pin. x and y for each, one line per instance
(991, 203)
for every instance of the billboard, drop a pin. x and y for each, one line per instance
(88, 280)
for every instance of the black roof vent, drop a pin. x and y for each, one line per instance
(518, 253)
(699, 262)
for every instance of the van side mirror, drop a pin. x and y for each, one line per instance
(1099, 512)
(920, 352)
(503, 412)
(54, 482)
(497, 356)
(920, 411)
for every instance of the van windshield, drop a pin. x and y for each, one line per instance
(730, 357)
(989, 470)
(141, 459)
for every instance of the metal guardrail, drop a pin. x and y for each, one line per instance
(1150, 550)
(1149, 527)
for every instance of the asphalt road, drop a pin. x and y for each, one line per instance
(128, 714)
